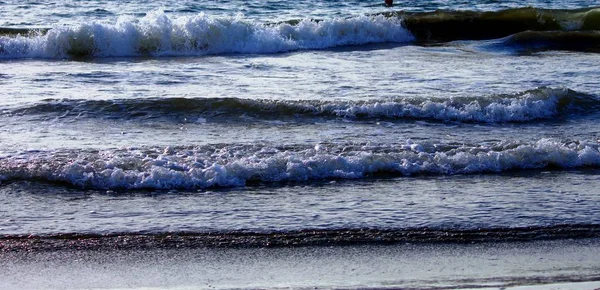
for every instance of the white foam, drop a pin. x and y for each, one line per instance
(235, 165)
(158, 34)
(542, 103)
(538, 104)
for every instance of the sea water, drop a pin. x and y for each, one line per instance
(339, 121)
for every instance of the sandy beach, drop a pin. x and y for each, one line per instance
(560, 264)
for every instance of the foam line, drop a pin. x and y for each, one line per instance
(237, 165)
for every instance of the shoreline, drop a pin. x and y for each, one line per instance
(294, 238)
(496, 265)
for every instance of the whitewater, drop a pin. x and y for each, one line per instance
(156, 34)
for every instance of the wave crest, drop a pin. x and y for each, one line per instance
(445, 25)
(159, 35)
(237, 165)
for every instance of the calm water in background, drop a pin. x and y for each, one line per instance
(227, 116)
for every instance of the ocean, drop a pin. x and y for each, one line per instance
(247, 125)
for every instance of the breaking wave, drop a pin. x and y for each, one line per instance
(157, 34)
(238, 165)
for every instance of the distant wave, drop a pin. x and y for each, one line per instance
(230, 165)
(159, 35)
(477, 25)
(309, 237)
(532, 105)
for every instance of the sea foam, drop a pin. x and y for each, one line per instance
(236, 165)
(158, 34)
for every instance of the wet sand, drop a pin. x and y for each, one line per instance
(559, 264)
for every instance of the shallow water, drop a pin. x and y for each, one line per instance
(128, 120)
(536, 199)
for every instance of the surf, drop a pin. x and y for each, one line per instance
(233, 165)
(158, 34)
